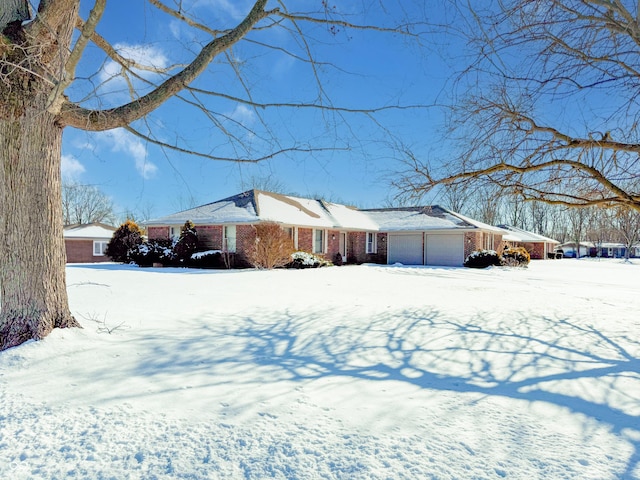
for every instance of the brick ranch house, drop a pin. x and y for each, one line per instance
(87, 243)
(411, 236)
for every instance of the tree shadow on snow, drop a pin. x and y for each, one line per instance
(520, 358)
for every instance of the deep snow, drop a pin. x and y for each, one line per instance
(366, 372)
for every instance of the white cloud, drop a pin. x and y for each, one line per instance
(147, 55)
(70, 167)
(234, 9)
(121, 141)
(243, 115)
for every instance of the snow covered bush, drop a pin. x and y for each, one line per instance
(483, 259)
(272, 248)
(124, 239)
(207, 259)
(307, 260)
(187, 243)
(153, 251)
(515, 257)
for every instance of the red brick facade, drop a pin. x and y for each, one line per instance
(211, 238)
(305, 239)
(158, 233)
(357, 248)
(482, 241)
(81, 251)
(535, 250)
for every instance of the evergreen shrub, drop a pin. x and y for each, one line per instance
(207, 259)
(307, 260)
(124, 239)
(153, 251)
(187, 244)
(483, 259)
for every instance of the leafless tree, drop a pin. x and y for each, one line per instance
(61, 70)
(578, 223)
(626, 223)
(83, 204)
(549, 108)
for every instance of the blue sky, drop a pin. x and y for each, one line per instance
(355, 162)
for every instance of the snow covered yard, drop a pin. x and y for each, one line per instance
(367, 372)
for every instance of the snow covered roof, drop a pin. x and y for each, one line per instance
(98, 231)
(519, 235)
(255, 206)
(424, 218)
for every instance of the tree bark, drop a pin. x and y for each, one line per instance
(32, 277)
(33, 293)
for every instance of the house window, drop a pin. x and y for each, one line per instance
(487, 241)
(229, 238)
(174, 232)
(291, 232)
(99, 248)
(318, 241)
(371, 242)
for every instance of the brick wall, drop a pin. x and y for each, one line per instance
(81, 251)
(472, 242)
(357, 248)
(382, 247)
(158, 233)
(535, 250)
(209, 237)
(333, 245)
(305, 239)
(245, 240)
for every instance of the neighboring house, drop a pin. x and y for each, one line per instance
(583, 249)
(616, 250)
(87, 243)
(538, 246)
(413, 236)
(600, 249)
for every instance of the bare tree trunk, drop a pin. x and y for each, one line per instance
(32, 278)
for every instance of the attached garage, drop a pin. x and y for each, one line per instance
(406, 248)
(445, 250)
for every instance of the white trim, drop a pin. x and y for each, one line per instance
(102, 247)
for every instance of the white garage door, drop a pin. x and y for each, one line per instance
(406, 249)
(445, 250)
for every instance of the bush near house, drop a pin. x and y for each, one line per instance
(483, 259)
(307, 260)
(153, 251)
(511, 257)
(515, 257)
(187, 244)
(124, 239)
(272, 247)
(208, 259)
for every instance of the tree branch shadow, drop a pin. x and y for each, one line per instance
(525, 358)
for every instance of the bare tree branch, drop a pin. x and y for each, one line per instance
(550, 104)
(96, 120)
